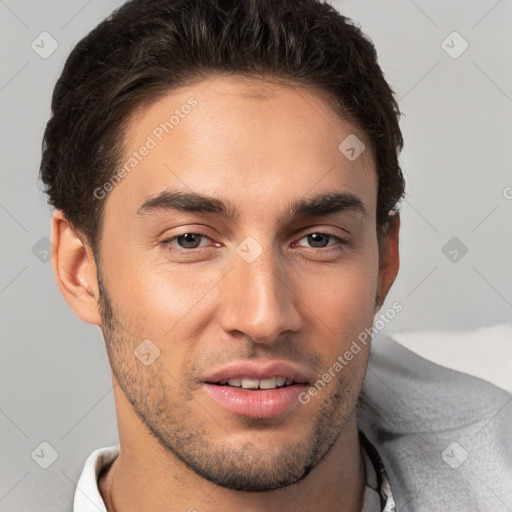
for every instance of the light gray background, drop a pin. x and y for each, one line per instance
(55, 381)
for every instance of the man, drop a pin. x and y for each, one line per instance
(225, 177)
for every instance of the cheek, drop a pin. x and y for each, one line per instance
(163, 297)
(344, 292)
(342, 305)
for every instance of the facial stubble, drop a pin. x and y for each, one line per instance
(170, 418)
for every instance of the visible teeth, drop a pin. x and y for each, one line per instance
(268, 383)
(250, 383)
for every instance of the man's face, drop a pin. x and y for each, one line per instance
(258, 294)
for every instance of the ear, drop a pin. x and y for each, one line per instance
(75, 270)
(390, 258)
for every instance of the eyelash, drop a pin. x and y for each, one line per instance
(167, 243)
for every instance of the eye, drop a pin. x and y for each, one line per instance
(185, 242)
(319, 240)
(190, 242)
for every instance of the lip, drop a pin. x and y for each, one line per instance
(257, 403)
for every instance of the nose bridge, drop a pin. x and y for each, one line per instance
(258, 300)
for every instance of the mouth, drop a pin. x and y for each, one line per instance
(257, 391)
(251, 383)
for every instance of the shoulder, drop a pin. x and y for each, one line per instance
(445, 437)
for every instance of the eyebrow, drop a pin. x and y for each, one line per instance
(324, 204)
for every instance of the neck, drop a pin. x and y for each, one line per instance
(145, 476)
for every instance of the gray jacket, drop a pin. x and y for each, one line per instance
(445, 437)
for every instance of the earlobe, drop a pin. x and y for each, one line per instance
(75, 270)
(390, 259)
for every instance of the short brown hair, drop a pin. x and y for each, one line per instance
(146, 48)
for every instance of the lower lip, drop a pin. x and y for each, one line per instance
(260, 403)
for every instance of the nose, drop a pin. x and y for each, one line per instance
(259, 299)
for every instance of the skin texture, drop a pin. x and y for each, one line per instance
(259, 145)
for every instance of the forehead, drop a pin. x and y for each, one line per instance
(252, 142)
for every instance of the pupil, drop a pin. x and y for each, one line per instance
(313, 238)
(189, 239)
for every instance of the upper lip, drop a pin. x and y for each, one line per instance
(259, 370)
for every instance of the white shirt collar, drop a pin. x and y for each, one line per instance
(87, 494)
